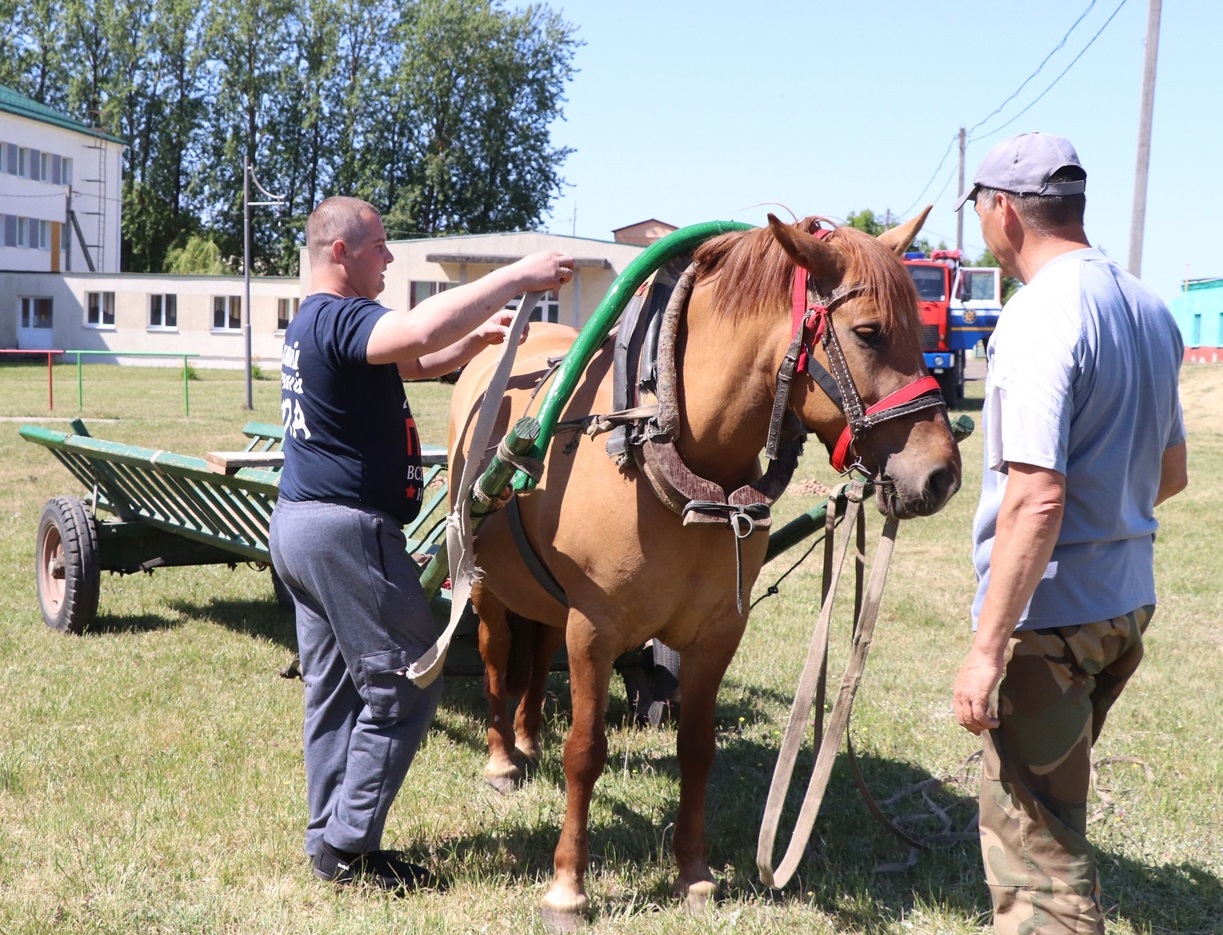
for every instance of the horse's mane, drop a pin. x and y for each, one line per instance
(754, 272)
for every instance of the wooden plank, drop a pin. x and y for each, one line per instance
(229, 462)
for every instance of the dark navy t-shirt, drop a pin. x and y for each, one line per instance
(349, 434)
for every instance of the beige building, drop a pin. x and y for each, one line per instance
(423, 267)
(143, 313)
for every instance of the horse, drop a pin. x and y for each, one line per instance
(631, 568)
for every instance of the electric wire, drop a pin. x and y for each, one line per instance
(1063, 73)
(969, 133)
(1043, 63)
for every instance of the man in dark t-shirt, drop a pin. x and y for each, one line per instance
(351, 479)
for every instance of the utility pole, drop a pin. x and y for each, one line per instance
(248, 175)
(1138, 216)
(959, 215)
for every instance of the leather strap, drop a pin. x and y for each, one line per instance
(810, 683)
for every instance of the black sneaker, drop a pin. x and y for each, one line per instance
(381, 869)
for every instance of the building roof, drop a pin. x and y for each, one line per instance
(13, 103)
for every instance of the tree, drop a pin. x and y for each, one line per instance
(866, 221)
(478, 88)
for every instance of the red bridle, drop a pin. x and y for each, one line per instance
(811, 322)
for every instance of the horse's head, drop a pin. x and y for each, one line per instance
(866, 393)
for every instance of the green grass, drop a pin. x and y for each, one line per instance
(151, 777)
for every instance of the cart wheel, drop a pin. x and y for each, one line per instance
(68, 569)
(666, 684)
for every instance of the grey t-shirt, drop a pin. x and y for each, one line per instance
(1082, 379)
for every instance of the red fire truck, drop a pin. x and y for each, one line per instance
(959, 308)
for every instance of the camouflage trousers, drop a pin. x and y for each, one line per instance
(1052, 702)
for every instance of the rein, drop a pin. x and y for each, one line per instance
(811, 317)
(810, 691)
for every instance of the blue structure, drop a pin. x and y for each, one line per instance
(1198, 311)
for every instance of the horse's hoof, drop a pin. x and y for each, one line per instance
(504, 784)
(699, 897)
(565, 912)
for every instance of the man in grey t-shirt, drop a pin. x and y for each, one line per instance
(1083, 437)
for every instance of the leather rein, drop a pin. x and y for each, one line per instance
(811, 316)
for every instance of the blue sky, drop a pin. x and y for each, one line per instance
(692, 112)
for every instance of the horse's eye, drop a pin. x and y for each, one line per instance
(869, 334)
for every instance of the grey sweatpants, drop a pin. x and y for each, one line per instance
(361, 619)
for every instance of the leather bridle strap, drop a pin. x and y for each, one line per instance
(912, 398)
(811, 320)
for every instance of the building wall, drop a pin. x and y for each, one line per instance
(94, 190)
(1198, 311)
(131, 331)
(456, 260)
(470, 257)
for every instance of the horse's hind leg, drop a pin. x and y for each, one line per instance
(504, 770)
(529, 717)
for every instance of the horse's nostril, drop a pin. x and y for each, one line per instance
(941, 484)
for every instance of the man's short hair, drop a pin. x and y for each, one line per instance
(1044, 214)
(336, 218)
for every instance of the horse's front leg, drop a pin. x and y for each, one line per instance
(565, 904)
(504, 770)
(701, 669)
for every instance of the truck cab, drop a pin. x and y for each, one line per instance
(959, 307)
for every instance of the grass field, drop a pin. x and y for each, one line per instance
(151, 777)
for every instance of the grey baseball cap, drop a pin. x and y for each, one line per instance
(1023, 164)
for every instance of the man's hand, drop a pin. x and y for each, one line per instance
(973, 699)
(495, 330)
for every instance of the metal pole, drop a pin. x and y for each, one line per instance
(959, 215)
(1146, 111)
(246, 276)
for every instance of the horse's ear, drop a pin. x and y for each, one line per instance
(821, 261)
(897, 239)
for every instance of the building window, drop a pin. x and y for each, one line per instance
(419, 291)
(44, 167)
(35, 312)
(1195, 335)
(23, 162)
(285, 310)
(65, 171)
(548, 308)
(44, 235)
(163, 312)
(226, 313)
(99, 309)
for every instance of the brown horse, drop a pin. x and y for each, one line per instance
(630, 568)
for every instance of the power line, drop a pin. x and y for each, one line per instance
(951, 142)
(1063, 74)
(1043, 63)
(1015, 94)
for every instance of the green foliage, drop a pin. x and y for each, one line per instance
(200, 255)
(437, 111)
(866, 221)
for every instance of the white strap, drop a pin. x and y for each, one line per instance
(459, 540)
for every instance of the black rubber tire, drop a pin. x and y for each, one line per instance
(950, 387)
(665, 703)
(67, 567)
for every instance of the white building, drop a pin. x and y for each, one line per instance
(60, 191)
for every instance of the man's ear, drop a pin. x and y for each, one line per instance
(339, 250)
